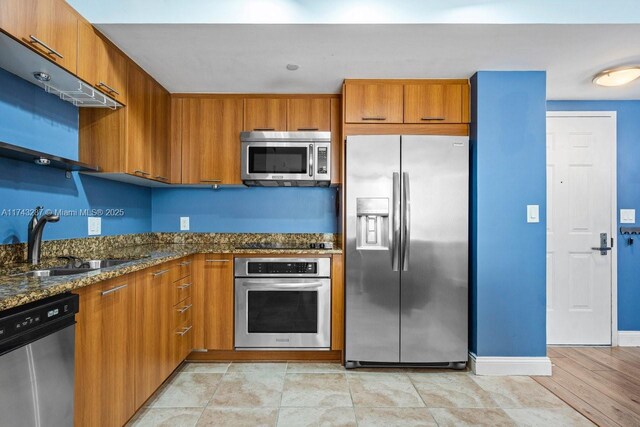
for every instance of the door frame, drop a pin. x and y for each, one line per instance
(613, 227)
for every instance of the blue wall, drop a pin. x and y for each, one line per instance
(628, 165)
(31, 118)
(508, 255)
(249, 210)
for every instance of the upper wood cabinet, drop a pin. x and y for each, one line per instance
(134, 139)
(49, 27)
(210, 133)
(424, 102)
(101, 64)
(373, 102)
(433, 103)
(268, 114)
(309, 114)
(104, 353)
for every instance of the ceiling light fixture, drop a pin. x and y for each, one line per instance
(292, 67)
(617, 76)
(42, 76)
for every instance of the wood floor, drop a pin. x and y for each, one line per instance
(602, 383)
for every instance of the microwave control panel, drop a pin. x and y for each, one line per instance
(323, 159)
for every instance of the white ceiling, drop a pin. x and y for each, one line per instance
(251, 58)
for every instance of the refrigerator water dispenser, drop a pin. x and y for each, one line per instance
(373, 223)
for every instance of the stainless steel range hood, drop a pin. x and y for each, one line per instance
(25, 63)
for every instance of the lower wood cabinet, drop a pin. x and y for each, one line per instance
(218, 301)
(105, 336)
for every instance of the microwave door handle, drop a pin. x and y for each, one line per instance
(311, 160)
(289, 286)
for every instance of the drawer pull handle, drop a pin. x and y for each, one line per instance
(158, 273)
(374, 118)
(112, 290)
(263, 129)
(431, 118)
(307, 129)
(210, 180)
(185, 286)
(141, 172)
(216, 260)
(185, 308)
(108, 88)
(52, 51)
(184, 331)
(162, 178)
(185, 263)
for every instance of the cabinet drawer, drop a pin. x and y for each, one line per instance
(182, 315)
(182, 289)
(181, 268)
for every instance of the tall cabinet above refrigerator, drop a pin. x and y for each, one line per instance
(407, 250)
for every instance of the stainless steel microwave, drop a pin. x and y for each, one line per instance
(286, 159)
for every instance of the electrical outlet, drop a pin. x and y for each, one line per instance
(627, 216)
(94, 225)
(533, 213)
(184, 223)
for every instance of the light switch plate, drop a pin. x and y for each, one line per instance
(94, 225)
(627, 216)
(533, 213)
(184, 223)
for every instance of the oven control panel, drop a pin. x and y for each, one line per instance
(282, 268)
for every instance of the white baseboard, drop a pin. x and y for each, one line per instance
(629, 338)
(495, 366)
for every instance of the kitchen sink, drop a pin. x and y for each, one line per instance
(104, 263)
(59, 271)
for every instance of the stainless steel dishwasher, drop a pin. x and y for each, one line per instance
(37, 363)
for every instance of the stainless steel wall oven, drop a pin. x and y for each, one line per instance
(283, 303)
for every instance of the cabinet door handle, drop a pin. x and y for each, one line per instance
(184, 263)
(184, 309)
(185, 286)
(216, 260)
(210, 180)
(184, 330)
(108, 88)
(432, 118)
(159, 273)
(307, 129)
(163, 178)
(112, 290)
(141, 172)
(51, 50)
(374, 118)
(263, 129)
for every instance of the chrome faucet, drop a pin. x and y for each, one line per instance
(34, 232)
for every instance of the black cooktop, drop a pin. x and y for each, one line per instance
(273, 245)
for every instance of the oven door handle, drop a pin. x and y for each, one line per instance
(290, 286)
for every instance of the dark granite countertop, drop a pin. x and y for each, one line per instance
(16, 290)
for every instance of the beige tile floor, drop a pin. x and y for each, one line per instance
(324, 394)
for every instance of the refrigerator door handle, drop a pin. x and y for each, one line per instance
(406, 210)
(394, 235)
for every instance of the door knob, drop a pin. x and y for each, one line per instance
(603, 245)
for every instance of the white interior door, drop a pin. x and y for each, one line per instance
(580, 206)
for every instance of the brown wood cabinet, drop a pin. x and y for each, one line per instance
(433, 103)
(309, 114)
(337, 303)
(373, 102)
(268, 114)
(104, 353)
(218, 302)
(50, 27)
(100, 64)
(154, 327)
(134, 139)
(210, 138)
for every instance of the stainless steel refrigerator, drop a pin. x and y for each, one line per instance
(407, 250)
